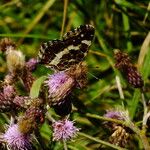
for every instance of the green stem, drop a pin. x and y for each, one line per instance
(65, 145)
(64, 17)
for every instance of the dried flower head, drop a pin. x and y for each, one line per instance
(79, 74)
(119, 137)
(16, 140)
(15, 60)
(59, 86)
(64, 130)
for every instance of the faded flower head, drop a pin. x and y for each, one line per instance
(16, 140)
(31, 64)
(59, 86)
(15, 60)
(64, 130)
(114, 114)
(119, 114)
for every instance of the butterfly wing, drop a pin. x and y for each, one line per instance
(62, 54)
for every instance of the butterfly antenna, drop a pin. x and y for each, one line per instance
(94, 76)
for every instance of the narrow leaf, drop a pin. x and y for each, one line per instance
(34, 92)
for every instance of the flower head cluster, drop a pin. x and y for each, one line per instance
(64, 130)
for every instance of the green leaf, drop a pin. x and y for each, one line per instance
(146, 69)
(134, 103)
(34, 92)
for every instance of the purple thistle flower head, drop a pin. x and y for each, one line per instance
(64, 130)
(59, 86)
(16, 140)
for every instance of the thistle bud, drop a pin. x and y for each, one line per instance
(6, 105)
(134, 78)
(122, 59)
(123, 62)
(32, 117)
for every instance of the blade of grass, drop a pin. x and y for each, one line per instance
(38, 17)
(100, 141)
(126, 29)
(134, 104)
(64, 17)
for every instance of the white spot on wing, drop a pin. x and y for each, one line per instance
(86, 42)
(82, 35)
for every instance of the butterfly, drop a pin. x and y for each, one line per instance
(71, 50)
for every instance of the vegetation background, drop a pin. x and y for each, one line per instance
(119, 24)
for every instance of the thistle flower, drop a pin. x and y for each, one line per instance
(64, 130)
(15, 139)
(59, 86)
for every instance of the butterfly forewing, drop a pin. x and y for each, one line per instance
(62, 54)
